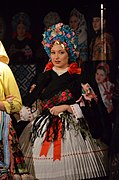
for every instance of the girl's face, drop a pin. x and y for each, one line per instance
(59, 56)
(100, 76)
(74, 22)
(21, 30)
(96, 23)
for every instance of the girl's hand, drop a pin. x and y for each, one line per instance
(56, 110)
(32, 88)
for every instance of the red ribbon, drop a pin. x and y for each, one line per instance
(57, 144)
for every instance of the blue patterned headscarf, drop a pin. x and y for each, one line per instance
(65, 36)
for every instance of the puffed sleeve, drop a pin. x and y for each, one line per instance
(10, 87)
(41, 82)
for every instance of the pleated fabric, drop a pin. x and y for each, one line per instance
(81, 158)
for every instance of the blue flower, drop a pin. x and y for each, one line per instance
(63, 34)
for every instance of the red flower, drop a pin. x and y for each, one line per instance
(64, 93)
(18, 160)
(46, 106)
(70, 95)
(64, 98)
(49, 66)
(60, 99)
(74, 69)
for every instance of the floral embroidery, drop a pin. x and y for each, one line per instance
(19, 163)
(57, 99)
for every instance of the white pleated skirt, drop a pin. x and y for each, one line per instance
(80, 158)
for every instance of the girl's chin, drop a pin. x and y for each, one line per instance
(98, 82)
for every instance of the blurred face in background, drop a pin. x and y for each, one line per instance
(100, 76)
(96, 23)
(21, 30)
(73, 22)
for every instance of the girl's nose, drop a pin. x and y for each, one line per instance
(56, 55)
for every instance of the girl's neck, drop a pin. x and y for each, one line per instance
(60, 71)
(20, 38)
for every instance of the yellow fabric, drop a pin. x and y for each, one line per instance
(8, 86)
(3, 55)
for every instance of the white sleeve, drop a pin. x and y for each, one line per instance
(77, 112)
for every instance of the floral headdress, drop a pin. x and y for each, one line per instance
(64, 35)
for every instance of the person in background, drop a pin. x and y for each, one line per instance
(12, 164)
(114, 147)
(102, 46)
(61, 145)
(106, 87)
(22, 48)
(78, 24)
(52, 17)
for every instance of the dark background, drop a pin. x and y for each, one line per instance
(37, 9)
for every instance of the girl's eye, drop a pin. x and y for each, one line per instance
(52, 52)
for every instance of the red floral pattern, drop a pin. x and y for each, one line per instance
(57, 99)
(17, 158)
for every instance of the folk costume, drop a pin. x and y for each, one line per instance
(62, 147)
(12, 163)
(106, 87)
(102, 45)
(102, 49)
(21, 49)
(81, 32)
